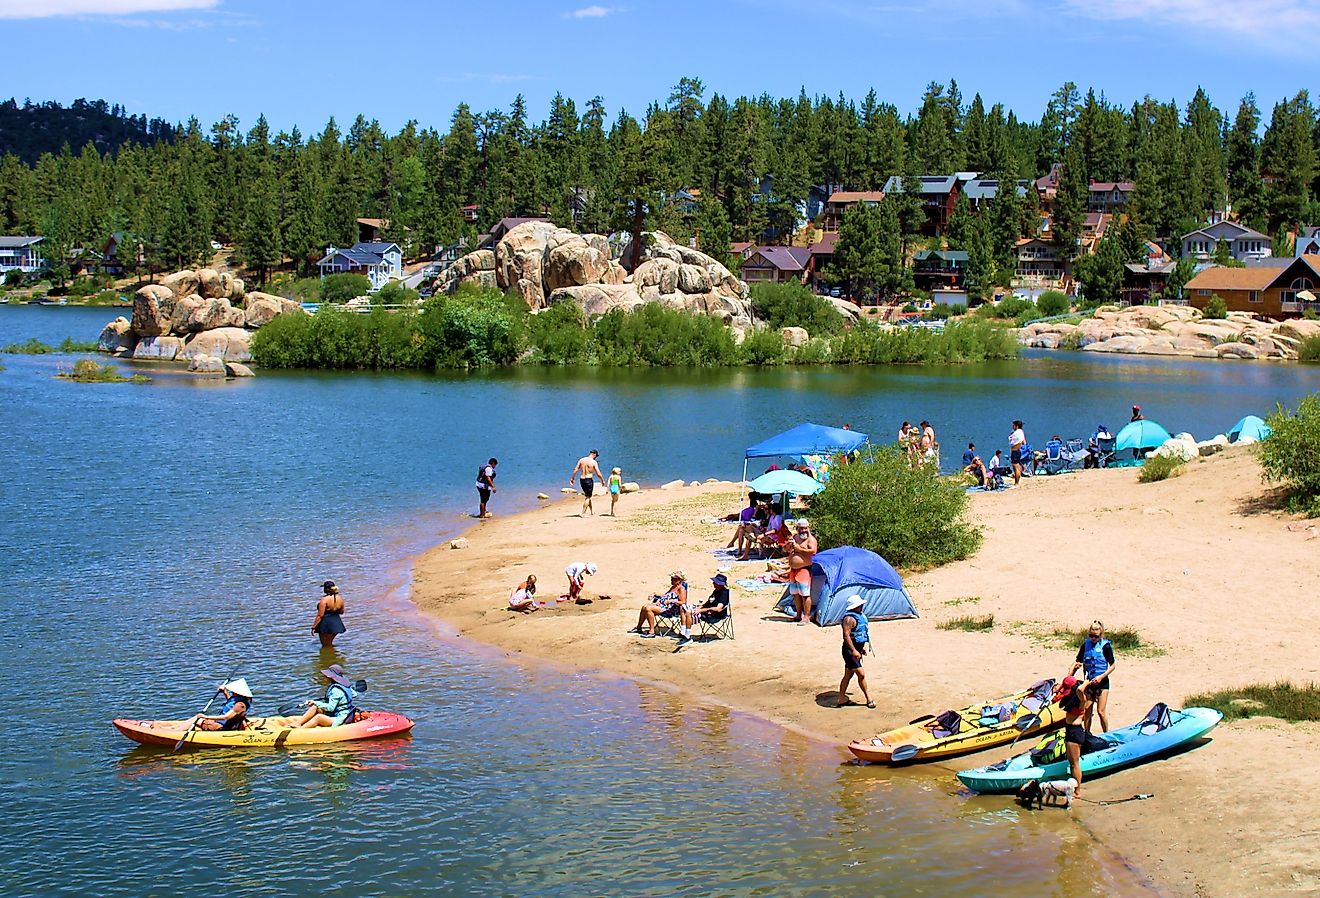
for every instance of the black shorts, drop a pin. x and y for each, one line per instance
(1102, 685)
(1074, 733)
(588, 486)
(1016, 457)
(484, 494)
(849, 662)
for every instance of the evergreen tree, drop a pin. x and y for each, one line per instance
(1288, 156)
(869, 254)
(1070, 202)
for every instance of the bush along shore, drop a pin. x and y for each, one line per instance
(479, 327)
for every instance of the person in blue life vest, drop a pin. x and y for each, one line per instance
(337, 707)
(233, 713)
(856, 636)
(1095, 659)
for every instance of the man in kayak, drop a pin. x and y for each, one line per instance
(856, 636)
(337, 707)
(1076, 704)
(233, 713)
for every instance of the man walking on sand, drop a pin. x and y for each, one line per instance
(587, 471)
(801, 549)
(856, 636)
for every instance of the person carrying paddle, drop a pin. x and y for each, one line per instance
(233, 713)
(856, 636)
(337, 707)
(1095, 658)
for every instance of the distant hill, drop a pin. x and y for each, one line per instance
(35, 128)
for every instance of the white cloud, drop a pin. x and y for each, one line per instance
(1255, 19)
(48, 9)
(592, 12)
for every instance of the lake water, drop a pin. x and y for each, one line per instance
(159, 537)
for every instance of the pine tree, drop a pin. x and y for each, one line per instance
(259, 239)
(1070, 202)
(1206, 176)
(1288, 156)
(869, 253)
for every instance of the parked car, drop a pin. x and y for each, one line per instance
(835, 292)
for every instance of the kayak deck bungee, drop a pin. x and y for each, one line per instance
(1115, 750)
(1029, 711)
(262, 732)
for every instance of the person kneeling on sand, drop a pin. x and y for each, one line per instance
(666, 604)
(856, 637)
(523, 597)
(577, 573)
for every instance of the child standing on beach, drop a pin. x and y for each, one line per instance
(616, 487)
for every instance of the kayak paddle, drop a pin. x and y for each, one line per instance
(192, 726)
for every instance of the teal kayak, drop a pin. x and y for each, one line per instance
(1159, 731)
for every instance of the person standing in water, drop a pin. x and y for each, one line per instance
(587, 472)
(616, 487)
(329, 621)
(486, 485)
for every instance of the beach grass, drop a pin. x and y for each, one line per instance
(36, 347)
(963, 600)
(969, 623)
(1286, 701)
(1124, 639)
(1160, 467)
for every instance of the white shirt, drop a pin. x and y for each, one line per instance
(489, 472)
(577, 571)
(1016, 438)
(519, 597)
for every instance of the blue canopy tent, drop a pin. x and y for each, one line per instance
(1251, 427)
(1140, 437)
(839, 574)
(806, 439)
(794, 482)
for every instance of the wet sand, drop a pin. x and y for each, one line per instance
(1210, 576)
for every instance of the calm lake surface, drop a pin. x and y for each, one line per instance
(158, 537)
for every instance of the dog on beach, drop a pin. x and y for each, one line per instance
(1040, 794)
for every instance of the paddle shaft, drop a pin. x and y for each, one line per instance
(192, 726)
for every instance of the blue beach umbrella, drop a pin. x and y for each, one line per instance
(786, 481)
(1250, 426)
(1141, 435)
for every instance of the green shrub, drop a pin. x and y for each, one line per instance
(340, 288)
(910, 516)
(970, 623)
(300, 290)
(763, 347)
(1215, 308)
(1124, 639)
(655, 335)
(1052, 303)
(33, 346)
(561, 336)
(1310, 315)
(473, 328)
(1291, 455)
(793, 305)
(1309, 350)
(1283, 700)
(87, 371)
(13, 277)
(963, 341)
(1009, 307)
(815, 351)
(395, 294)
(943, 312)
(1160, 467)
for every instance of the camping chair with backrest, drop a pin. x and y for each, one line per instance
(1054, 462)
(1074, 455)
(1106, 452)
(715, 624)
(668, 621)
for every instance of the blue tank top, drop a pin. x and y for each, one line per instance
(861, 633)
(1093, 657)
(235, 723)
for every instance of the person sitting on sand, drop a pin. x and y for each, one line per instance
(856, 637)
(523, 597)
(337, 707)
(801, 549)
(233, 713)
(577, 574)
(668, 604)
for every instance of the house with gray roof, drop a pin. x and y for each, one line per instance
(939, 194)
(982, 190)
(21, 253)
(380, 262)
(776, 265)
(1308, 242)
(1243, 242)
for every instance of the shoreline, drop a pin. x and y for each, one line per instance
(1198, 845)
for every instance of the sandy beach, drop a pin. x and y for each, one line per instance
(1200, 565)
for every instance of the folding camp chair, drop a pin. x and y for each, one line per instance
(1106, 452)
(715, 627)
(1054, 461)
(1074, 455)
(667, 622)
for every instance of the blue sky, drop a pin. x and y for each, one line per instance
(300, 62)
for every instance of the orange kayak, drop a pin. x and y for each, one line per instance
(262, 732)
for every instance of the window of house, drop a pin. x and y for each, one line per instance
(1202, 292)
(1287, 296)
(1253, 296)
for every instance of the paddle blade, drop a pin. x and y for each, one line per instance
(904, 753)
(360, 686)
(921, 718)
(1027, 723)
(290, 708)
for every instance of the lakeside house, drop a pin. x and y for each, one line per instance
(1047, 185)
(1142, 280)
(1040, 266)
(841, 201)
(471, 212)
(380, 262)
(21, 253)
(981, 190)
(1109, 196)
(939, 196)
(1260, 290)
(1308, 242)
(1243, 242)
(940, 270)
(777, 265)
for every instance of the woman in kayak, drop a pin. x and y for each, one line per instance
(329, 621)
(1076, 704)
(1096, 660)
(233, 713)
(337, 706)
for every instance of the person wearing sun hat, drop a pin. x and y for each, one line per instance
(233, 713)
(337, 707)
(856, 636)
(664, 606)
(713, 609)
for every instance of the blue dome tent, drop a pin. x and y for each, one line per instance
(1250, 426)
(839, 574)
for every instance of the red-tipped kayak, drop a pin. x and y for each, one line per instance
(262, 732)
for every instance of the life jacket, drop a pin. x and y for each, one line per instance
(239, 722)
(352, 713)
(861, 634)
(1049, 749)
(1093, 657)
(481, 477)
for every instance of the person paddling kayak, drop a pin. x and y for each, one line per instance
(233, 713)
(337, 706)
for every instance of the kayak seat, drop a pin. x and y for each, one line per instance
(1033, 704)
(947, 724)
(1158, 718)
(1095, 743)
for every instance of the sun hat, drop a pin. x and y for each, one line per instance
(338, 675)
(720, 580)
(617, 471)
(239, 687)
(591, 567)
(677, 575)
(855, 602)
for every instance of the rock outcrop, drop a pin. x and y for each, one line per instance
(1173, 330)
(192, 315)
(547, 265)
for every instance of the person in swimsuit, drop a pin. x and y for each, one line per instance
(329, 621)
(616, 487)
(523, 597)
(587, 470)
(1017, 445)
(486, 485)
(233, 713)
(801, 549)
(1076, 704)
(1095, 659)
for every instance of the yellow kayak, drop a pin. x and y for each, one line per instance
(976, 727)
(262, 732)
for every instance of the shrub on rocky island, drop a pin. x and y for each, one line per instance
(87, 371)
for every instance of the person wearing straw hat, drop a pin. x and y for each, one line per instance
(856, 636)
(337, 706)
(665, 605)
(233, 713)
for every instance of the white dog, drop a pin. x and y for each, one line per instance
(1052, 792)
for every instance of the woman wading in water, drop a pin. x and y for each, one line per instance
(329, 621)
